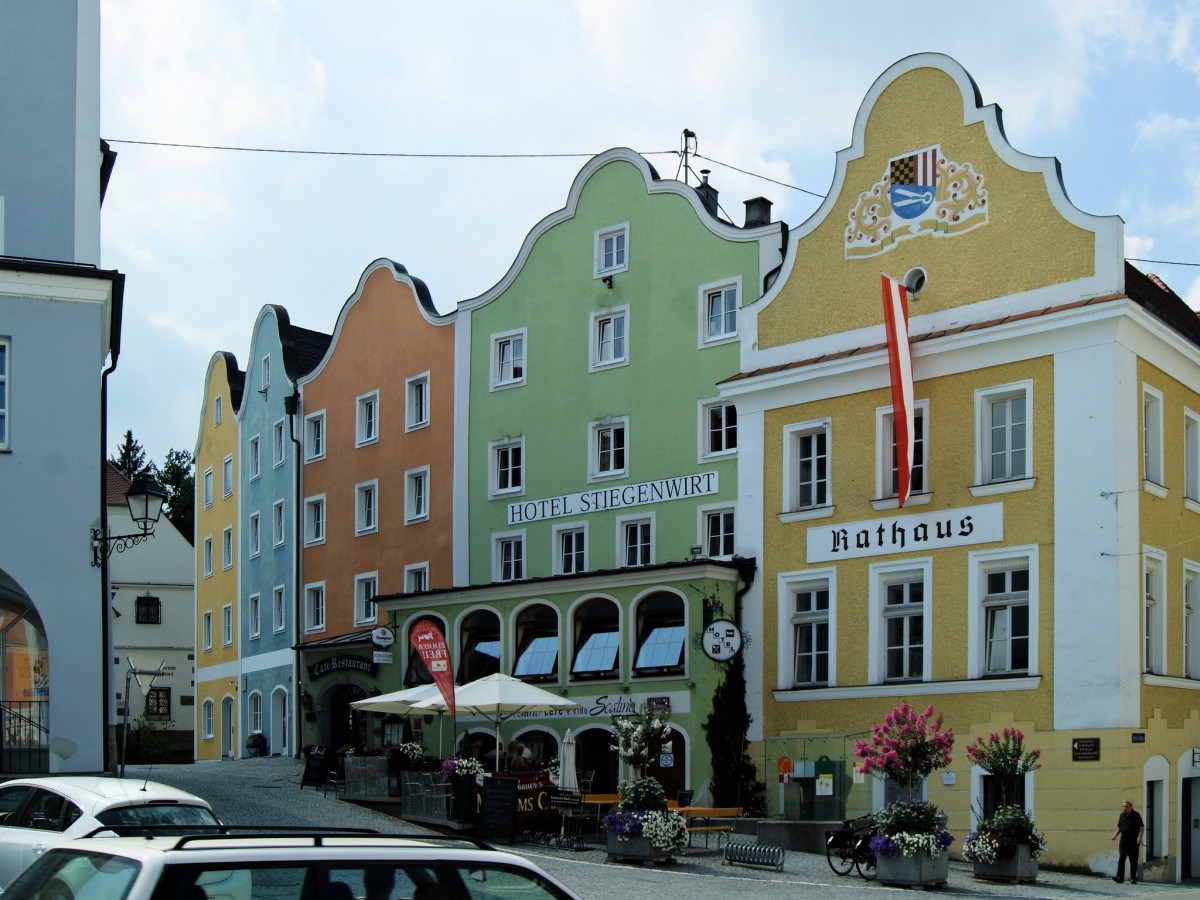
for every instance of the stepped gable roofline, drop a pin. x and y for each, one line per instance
(236, 380)
(654, 185)
(425, 307)
(302, 348)
(117, 486)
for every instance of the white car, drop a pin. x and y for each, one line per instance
(303, 864)
(38, 813)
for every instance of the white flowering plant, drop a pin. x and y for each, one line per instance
(639, 737)
(461, 765)
(642, 811)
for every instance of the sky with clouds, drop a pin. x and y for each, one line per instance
(207, 237)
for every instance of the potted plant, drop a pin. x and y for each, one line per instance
(1005, 845)
(461, 772)
(404, 755)
(642, 827)
(639, 738)
(911, 836)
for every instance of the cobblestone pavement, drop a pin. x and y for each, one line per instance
(266, 791)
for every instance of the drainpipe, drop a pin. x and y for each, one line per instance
(746, 568)
(105, 637)
(291, 406)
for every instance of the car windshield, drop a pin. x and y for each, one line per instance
(157, 814)
(74, 873)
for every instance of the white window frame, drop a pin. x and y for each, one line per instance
(264, 373)
(1152, 440)
(278, 524)
(499, 540)
(254, 711)
(278, 609)
(788, 585)
(416, 402)
(5, 393)
(705, 433)
(703, 514)
(315, 436)
(254, 534)
(254, 616)
(979, 564)
(496, 383)
(416, 495)
(558, 534)
(366, 507)
(412, 573)
(595, 430)
(366, 419)
(1191, 460)
(279, 444)
(208, 556)
(1190, 630)
(881, 575)
(227, 547)
(218, 408)
(792, 436)
(1017, 479)
(254, 463)
(495, 450)
(704, 293)
(312, 593)
(600, 267)
(206, 630)
(227, 625)
(366, 589)
(208, 487)
(315, 524)
(1154, 611)
(622, 547)
(227, 477)
(885, 439)
(206, 720)
(596, 359)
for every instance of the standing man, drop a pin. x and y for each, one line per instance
(1130, 829)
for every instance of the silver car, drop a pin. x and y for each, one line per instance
(38, 813)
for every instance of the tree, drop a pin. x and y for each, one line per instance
(179, 478)
(131, 458)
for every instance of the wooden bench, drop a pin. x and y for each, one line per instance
(700, 821)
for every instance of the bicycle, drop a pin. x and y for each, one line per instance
(850, 848)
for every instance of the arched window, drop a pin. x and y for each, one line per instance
(537, 644)
(416, 673)
(206, 720)
(479, 646)
(254, 711)
(660, 635)
(597, 640)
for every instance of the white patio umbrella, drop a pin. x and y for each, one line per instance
(498, 698)
(402, 702)
(568, 779)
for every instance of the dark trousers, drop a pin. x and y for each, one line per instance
(1128, 852)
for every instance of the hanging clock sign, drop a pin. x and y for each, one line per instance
(721, 640)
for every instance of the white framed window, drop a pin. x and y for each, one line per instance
(508, 556)
(208, 559)
(416, 495)
(900, 627)
(716, 531)
(719, 312)
(1004, 434)
(806, 483)
(608, 448)
(366, 419)
(1152, 435)
(277, 524)
(314, 436)
(227, 625)
(217, 410)
(506, 464)
(416, 401)
(254, 615)
(366, 507)
(609, 339)
(807, 612)
(264, 373)
(1154, 603)
(278, 611)
(314, 607)
(255, 534)
(569, 551)
(5, 353)
(416, 577)
(206, 633)
(660, 629)
(1191, 619)
(279, 443)
(227, 476)
(208, 487)
(366, 587)
(718, 429)
(887, 471)
(508, 359)
(227, 548)
(314, 520)
(206, 720)
(1191, 458)
(611, 252)
(1002, 589)
(254, 461)
(635, 541)
(254, 708)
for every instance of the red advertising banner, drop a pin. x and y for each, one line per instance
(427, 640)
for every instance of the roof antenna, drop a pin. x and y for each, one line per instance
(687, 144)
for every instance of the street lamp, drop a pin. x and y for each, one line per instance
(145, 500)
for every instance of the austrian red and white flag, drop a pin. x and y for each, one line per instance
(427, 640)
(895, 320)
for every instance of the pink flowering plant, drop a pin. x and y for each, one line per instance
(1004, 756)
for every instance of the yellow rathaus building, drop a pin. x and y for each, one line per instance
(1045, 571)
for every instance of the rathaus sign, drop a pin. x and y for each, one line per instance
(678, 488)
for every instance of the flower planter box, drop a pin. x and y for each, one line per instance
(635, 848)
(918, 870)
(1014, 868)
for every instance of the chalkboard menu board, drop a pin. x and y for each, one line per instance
(315, 768)
(498, 811)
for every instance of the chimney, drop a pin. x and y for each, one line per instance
(758, 212)
(707, 193)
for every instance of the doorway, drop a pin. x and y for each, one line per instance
(279, 723)
(227, 728)
(347, 726)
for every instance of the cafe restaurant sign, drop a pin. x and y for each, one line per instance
(907, 534)
(678, 488)
(341, 664)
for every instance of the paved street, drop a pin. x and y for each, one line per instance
(266, 791)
